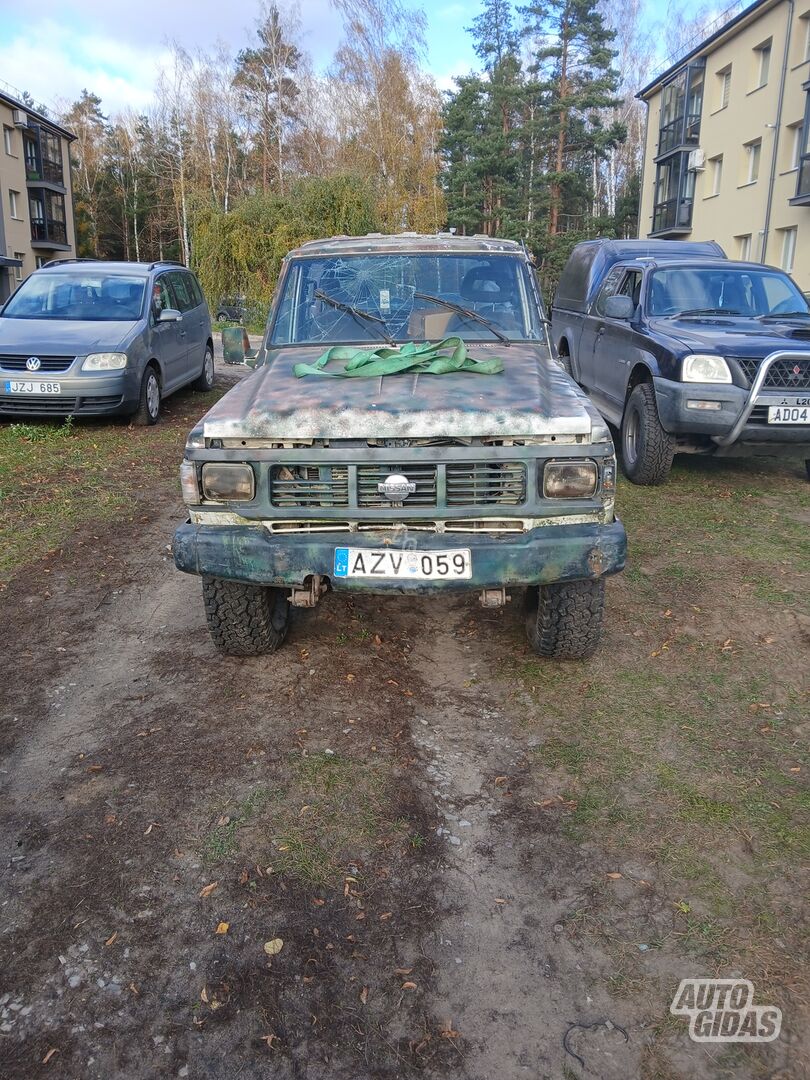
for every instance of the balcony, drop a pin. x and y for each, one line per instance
(673, 217)
(46, 233)
(43, 159)
(45, 170)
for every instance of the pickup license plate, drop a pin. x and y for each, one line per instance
(14, 386)
(396, 563)
(789, 414)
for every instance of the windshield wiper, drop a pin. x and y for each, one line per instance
(785, 315)
(707, 311)
(357, 313)
(464, 311)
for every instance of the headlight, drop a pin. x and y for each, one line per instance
(105, 361)
(702, 367)
(570, 479)
(222, 482)
(188, 483)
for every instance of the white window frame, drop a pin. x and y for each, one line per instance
(744, 243)
(716, 174)
(753, 153)
(8, 140)
(18, 270)
(14, 204)
(796, 146)
(788, 258)
(763, 63)
(725, 87)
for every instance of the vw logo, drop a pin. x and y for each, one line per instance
(396, 487)
(33, 363)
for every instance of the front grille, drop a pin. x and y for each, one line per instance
(46, 363)
(369, 476)
(59, 405)
(486, 484)
(309, 485)
(781, 375)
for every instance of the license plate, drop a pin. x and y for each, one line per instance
(396, 563)
(14, 386)
(789, 414)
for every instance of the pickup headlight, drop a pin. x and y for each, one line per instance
(570, 479)
(104, 361)
(223, 482)
(704, 368)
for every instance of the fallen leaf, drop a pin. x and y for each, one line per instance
(224, 820)
(269, 1039)
(204, 995)
(94, 768)
(409, 986)
(222, 928)
(350, 678)
(151, 826)
(403, 971)
(386, 915)
(501, 779)
(360, 916)
(111, 938)
(274, 947)
(244, 877)
(796, 768)
(364, 995)
(316, 900)
(499, 900)
(208, 889)
(544, 803)
(49, 1055)
(614, 876)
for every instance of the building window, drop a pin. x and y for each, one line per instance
(674, 195)
(681, 108)
(716, 174)
(18, 270)
(723, 87)
(41, 261)
(744, 247)
(762, 63)
(48, 221)
(803, 181)
(795, 144)
(805, 38)
(8, 140)
(788, 249)
(753, 155)
(14, 203)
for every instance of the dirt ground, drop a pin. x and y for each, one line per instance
(399, 799)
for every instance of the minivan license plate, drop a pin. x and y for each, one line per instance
(396, 563)
(14, 386)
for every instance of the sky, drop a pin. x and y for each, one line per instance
(55, 48)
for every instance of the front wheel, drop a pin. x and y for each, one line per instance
(205, 380)
(245, 620)
(647, 450)
(148, 409)
(564, 620)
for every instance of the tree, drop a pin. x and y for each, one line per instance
(265, 78)
(87, 122)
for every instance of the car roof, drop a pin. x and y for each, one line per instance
(111, 267)
(704, 263)
(400, 243)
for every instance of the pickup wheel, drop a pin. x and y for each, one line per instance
(564, 620)
(245, 620)
(647, 450)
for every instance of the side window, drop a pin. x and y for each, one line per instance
(610, 287)
(631, 286)
(179, 283)
(194, 289)
(162, 296)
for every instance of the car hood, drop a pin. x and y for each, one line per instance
(61, 337)
(734, 337)
(532, 396)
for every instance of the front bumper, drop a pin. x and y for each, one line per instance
(722, 427)
(104, 393)
(539, 556)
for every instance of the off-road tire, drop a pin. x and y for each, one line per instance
(205, 380)
(565, 362)
(564, 620)
(647, 450)
(245, 620)
(147, 412)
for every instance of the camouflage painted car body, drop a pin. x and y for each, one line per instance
(475, 447)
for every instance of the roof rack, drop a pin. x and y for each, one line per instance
(55, 262)
(166, 262)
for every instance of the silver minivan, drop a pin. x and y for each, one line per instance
(82, 337)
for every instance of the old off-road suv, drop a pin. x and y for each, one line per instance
(406, 430)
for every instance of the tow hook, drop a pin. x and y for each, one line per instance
(493, 598)
(308, 594)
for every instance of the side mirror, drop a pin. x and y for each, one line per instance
(170, 314)
(619, 307)
(236, 346)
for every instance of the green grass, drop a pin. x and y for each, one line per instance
(58, 477)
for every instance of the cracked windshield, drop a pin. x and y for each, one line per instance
(406, 298)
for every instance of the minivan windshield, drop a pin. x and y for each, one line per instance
(406, 297)
(714, 290)
(90, 296)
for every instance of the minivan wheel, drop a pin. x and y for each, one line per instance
(148, 409)
(647, 450)
(564, 619)
(205, 380)
(245, 620)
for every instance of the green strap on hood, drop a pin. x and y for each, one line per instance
(426, 359)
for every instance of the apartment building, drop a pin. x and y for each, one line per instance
(727, 154)
(36, 204)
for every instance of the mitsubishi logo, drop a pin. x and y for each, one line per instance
(33, 363)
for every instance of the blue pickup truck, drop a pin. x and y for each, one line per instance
(685, 351)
